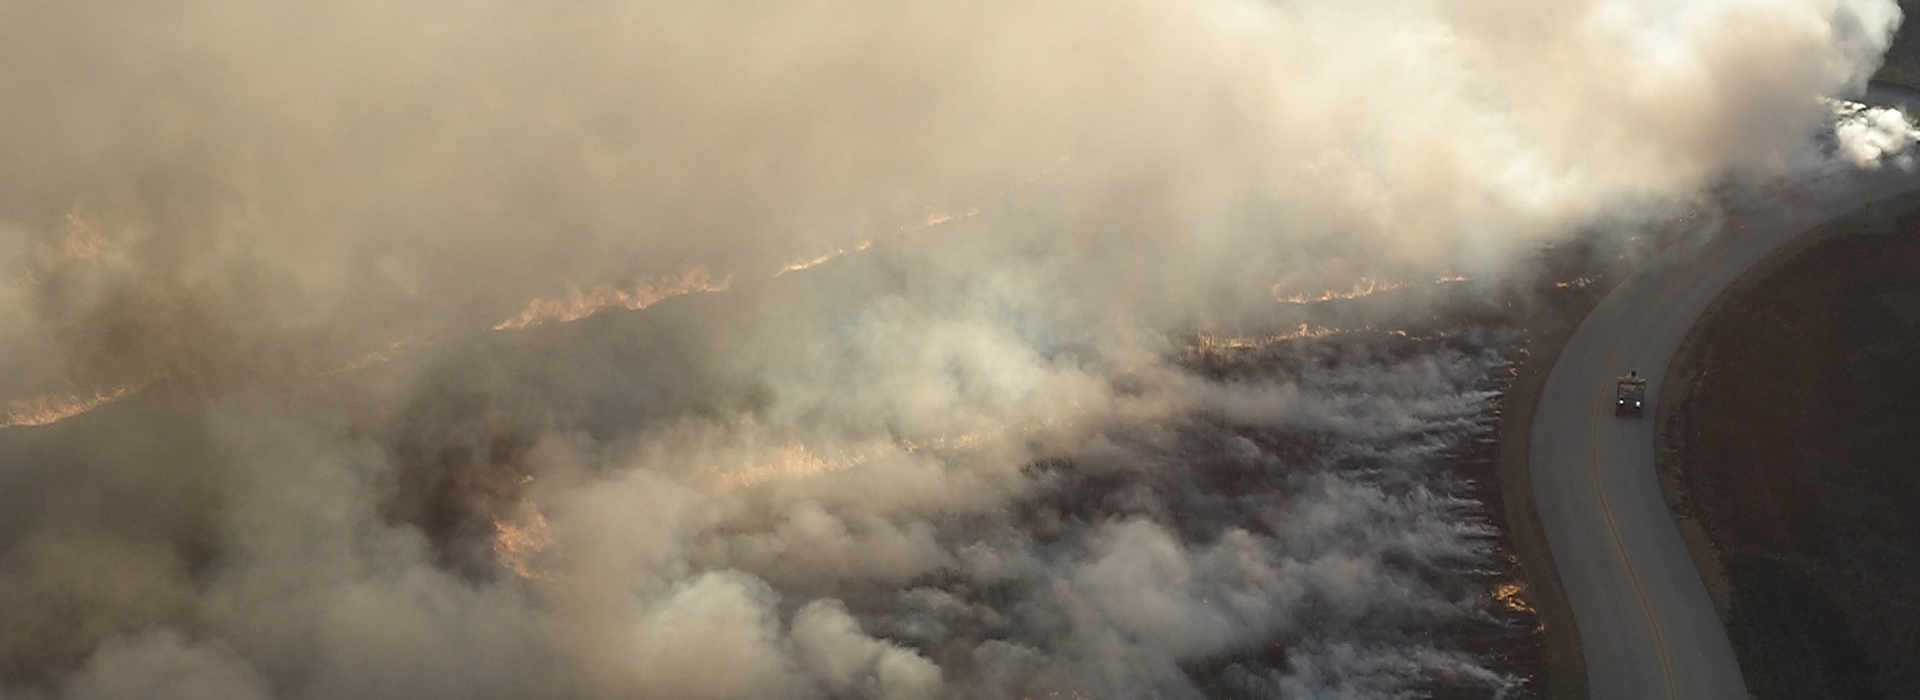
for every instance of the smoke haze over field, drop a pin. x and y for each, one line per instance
(902, 412)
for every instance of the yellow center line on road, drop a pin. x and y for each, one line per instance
(1606, 509)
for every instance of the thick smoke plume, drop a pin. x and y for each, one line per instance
(1869, 136)
(831, 348)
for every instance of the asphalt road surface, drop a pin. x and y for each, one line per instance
(1647, 628)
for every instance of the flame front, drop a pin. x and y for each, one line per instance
(799, 265)
(579, 304)
(53, 408)
(1209, 345)
(1364, 287)
(82, 240)
(934, 219)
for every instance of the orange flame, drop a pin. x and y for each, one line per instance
(580, 304)
(940, 217)
(1513, 596)
(1365, 286)
(518, 542)
(796, 460)
(82, 242)
(53, 408)
(368, 360)
(1209, 345)
(799, 265)
(933, 219)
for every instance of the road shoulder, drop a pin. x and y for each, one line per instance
(1548, 330)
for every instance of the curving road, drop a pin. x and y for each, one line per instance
(1647, 627)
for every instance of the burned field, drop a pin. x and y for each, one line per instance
(1797, 454)
(1484, 641)
(1313, 510)
(1314, 515)
(1319, 515)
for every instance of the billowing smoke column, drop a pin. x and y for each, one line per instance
(894, 405)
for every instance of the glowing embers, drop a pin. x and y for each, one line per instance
(1513, 595)
(53, 408)
(579, 304)
(1364, 287)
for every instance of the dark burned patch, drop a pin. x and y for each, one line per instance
(1506, 639)
(1798, 456)
(1208, 475)
(460, 453)
(460, 446)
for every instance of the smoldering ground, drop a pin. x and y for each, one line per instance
(1293, 507)
(906, 412)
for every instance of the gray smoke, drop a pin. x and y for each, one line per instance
(973, 452)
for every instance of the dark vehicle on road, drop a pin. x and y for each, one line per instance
(1631, 398)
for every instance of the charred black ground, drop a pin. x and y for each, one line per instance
(1797, 453)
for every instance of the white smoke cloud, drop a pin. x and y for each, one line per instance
(851, 664)
(958, 458)
(1869, 136)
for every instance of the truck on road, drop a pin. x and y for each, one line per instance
(1631, 397)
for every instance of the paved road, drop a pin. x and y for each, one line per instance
(1647, 627)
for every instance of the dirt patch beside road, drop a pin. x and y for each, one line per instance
(1789, 447)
